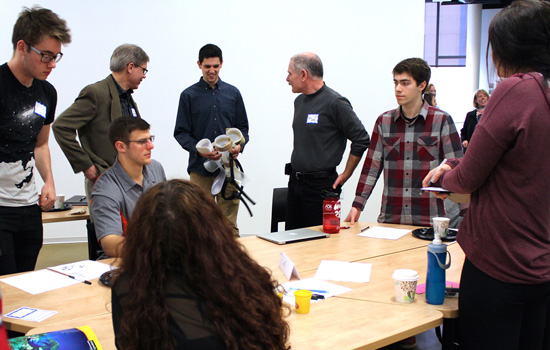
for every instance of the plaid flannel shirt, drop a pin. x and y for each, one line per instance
(407, 152)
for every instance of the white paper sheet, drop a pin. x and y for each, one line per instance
(343, 271)
(323, 288)
(83, 270)
(384, 232)
(40, 281)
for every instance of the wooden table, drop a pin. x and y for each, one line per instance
(381, 287)
(344, 246)
(348, 321)
(71, 303)
(335, 323)
(61, 216)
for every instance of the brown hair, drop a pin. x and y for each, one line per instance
(519, 36)
(177, 229)
(417, 68)
(36, 23)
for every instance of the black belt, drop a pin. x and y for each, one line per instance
(300, 175)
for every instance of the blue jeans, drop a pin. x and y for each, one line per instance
(21, 236)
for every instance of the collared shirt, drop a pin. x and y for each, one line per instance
(115, 195)
(407, 152)
(127, 106)
(206, 112)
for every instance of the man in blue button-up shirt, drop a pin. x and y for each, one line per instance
(206, 109)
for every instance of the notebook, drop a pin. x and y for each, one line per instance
(291, 236)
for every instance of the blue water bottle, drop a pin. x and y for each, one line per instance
(435, 276)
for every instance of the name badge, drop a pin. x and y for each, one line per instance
(40, 109)
(312, 119)
(134, 114)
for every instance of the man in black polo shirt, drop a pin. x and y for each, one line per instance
(323, 122)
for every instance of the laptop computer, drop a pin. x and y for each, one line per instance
(291, 236)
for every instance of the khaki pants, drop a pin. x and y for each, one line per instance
(230, 208)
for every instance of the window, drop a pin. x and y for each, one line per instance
(445, 29)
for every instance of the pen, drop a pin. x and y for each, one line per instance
(311, 290)
(344, 227)
(70, 276)
(364, 229)
(439, 167)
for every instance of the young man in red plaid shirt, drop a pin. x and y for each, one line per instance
(407, 142)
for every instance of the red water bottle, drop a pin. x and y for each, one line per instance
(331, 213)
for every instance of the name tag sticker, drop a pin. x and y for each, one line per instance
(134, 114)
(312, 119)
(40, 109)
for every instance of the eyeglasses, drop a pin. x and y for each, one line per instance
(145, 70)
(144, 142)
(47, 57)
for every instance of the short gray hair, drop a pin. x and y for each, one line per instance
(309, 62)
(126, 54)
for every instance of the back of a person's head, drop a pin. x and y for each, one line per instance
(210, 51)
(126, 54)
(417, 68)
(519, 37)
(178, 230)
(121, 128)
(36, 23)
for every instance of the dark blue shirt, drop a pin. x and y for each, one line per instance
(206, 112)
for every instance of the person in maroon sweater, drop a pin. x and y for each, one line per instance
(504, 297)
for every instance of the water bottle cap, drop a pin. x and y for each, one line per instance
(405, 275)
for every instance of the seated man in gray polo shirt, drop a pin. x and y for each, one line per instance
(117, 190)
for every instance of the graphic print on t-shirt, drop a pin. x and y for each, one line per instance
(23, 113)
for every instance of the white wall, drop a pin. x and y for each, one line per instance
(456, 85)
(359, 42)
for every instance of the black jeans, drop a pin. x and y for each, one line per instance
(21, 236)
(305, 202)
(498, 315)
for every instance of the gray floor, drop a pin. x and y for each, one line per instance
(57, 254)
(424, 341)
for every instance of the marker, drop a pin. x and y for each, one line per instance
(71, 276)
(311, 290)
(364, 229)
(439, 167)
(344, 227)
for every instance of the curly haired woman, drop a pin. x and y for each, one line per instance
(185, 283)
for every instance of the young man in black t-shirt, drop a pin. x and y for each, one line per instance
(27, 108)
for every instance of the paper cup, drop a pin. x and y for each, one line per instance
(303, 301)
(441, 226)
(405, 281)
(59, 201)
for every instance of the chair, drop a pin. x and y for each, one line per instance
(278, 207)
(94, 248)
